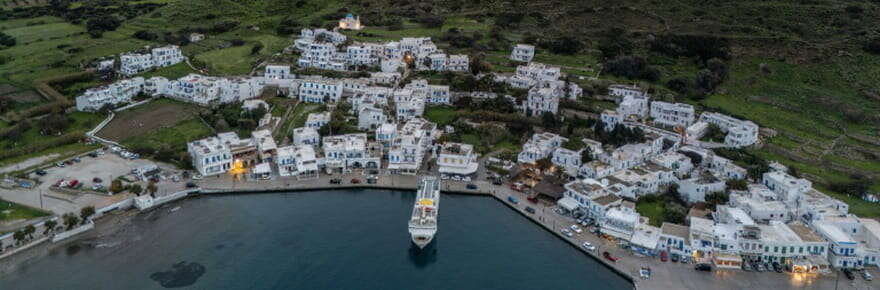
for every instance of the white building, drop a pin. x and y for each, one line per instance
(135, 63)
(739, 133)
(306, 136)
(298, 160)
(567, 159)
(113, 94)
(370, 118)
(458, 63)
(625, 90)
(409, 147)
(317, 120)
(210, 156)
(457, 159)
(672, 114)
(234, 90)
(787, 187)
(675, 239)
(156, 86)
(679, 163)
(541, 100)
(611, 119)
(277, 72)
(167, 56)
(523, 53)
(540, 146)
(349, 151)
(320, 91)
(633, 106)
(620, 222)
(350, 22)
(696, 188)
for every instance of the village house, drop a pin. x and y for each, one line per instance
(196, 37)
(363, 54)
(318, 120)
(620, 222)
(210, 156)
(540, 101)
(114, 94)
(672, 114)
(370, 118)
(385, 78)
(458, 63)
(385, 134)
(167, 56)
(739, 133)
(234, 90)
(633, 106)
(679, 163)
(408, 148)
(320, 91)
(196, 89)
(787, 187)
(523, 53)
(626, 90)
(306, 136)
(277, 72)
(457, 159)
(540, 146)
(696, 188)
(595, 169)
(675, 239)
(344, 152)
(134, 63)
(611, 119)
(567, 159)
(297, 160)
(156, 86)
(266, 146)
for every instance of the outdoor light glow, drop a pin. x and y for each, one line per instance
(237, 168)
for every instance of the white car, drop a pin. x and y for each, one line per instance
(196, 177)
(567, 233)
(576, 229)
(588, 246)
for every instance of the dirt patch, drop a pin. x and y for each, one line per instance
(146, 118)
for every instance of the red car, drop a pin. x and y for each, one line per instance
(73, 183)
(664, 256)
(355, 181)
(608, 256)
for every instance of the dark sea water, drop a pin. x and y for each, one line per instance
(321, 240)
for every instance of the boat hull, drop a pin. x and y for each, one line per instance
(422, 238)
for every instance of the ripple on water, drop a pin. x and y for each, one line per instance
(181, 275)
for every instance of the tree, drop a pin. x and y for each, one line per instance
(586, 155)
(19, 236)
(70, 220)
(6, 40)
(873, 46)
(116, 186)
(151, 188)
(86, 213)
(50, 226)
(256, 49)
(30, 230)
(136, 189)
(715, 198)
(54, 124)
(549, 121)
(145, 35)
(566, 44)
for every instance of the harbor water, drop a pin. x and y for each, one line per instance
(355, 239)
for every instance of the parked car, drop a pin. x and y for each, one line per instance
(335, 181)
(512, 200)
(93, 154)
(685, 259)
(759, 267)
(703, 267)
(97, 180)
(472, 186)
(497, 182)
(664, 256)
(196, 177)
(849, 274)
(76, 159)
(777, 267)
(675, 258)
(190, 184)
(355, 181)
(517, 187)
(40, 172)
(608, 256)
(532, 198)
(567, 233)
(530, 210)
(97, 187)
(588, 246)
(867, 276)
(60, 164)
(576, 229)
(747, 267)
(73, 183)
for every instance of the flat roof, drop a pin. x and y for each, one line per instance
(806, 234)
(675, 230)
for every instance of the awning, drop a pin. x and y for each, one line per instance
(568, 203)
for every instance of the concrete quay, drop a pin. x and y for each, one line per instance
(664, 275)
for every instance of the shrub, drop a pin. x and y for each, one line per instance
(145, 35)
(873, 46)
(632, 67)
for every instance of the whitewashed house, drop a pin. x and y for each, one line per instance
(135, 63)
(167, 56)
(675, 239)
(540, 146)
(739, 133)
(113, 94)
(277, 72)
(156, 86)
(196, 89)
(320, 91)
(696, 188)
(458, 63)
(349, 151)
(210, 156)
(787, 187)
(611, 119)
(620, 222)
(385, 78)
(457, 159)
(523, 53)
(540, 101)
(297, 160)
(370, 118)
(633, 106)
(672, 114)
(679, 163)
(409, 147)
(306, 136)
(234, 90)
(567, 159)
(317, 120)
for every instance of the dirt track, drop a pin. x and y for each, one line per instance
(146, 118)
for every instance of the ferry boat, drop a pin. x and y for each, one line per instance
(423, 224)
